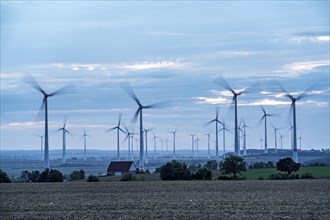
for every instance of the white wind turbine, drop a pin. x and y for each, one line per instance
(294, 99)
(41, 146)
(208, 145)
(146, 138)
(264, 117)
(216, 121)
(64, 131)
(224, 84)
(85, 135)
(174, 135)
(118, 128)
(224, 129)
(128, 89)
(275, 133)
(44, 106)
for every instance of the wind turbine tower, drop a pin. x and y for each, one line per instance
(85, 137)
(118, 128)
(192, 144)
(174, 135)
(244, 139)
(208, 145)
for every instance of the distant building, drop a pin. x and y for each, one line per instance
(119, 168)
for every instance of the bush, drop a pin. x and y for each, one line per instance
(50, 175)
(77, 175)
(202, 174)
(175, 171)
(307, 176)
(28, 177)
(261, 178)
(261, 165)
(93, 178)
(4, 177)
(283, 176)
(211, 165)
(128, 177)
(224, 178)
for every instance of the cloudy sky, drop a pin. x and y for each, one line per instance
(167, 51)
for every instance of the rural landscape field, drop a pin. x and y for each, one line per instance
(291, 199)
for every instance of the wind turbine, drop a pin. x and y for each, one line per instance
(300, 138)
(224, 129)
(208, 145)
(244, 138)
(64, 131)
(174, 135)
(281, 137)
(155, 141)
(291, 133)
(192, 143)
(85, 137)
(197, 150)
(261, 143)
(166, 146)
(216, 120)
(118, 128)
(128, 138)
(41, 146)
(224, 84)
(32, 82)
(294, 99)
(264, 117)
(128, 89)
(146, 137)
(275, 132)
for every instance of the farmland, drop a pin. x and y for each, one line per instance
(292, 199)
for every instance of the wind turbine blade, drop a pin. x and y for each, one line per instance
(135, 116)
(119, 118)
(41, 110)
(158, 105)
(64, 90)
(111, 129)
(32, 82)
(263, 110)
(121, 130)
(217, 112)
(208, 123)
(223, 83)
(128, 89)
(290, 113)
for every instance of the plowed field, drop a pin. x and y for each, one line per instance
(292, 199)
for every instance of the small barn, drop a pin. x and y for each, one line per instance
(120, 168)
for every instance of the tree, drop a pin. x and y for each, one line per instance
(233, 165)
(211, 165)
(4, 177)
(287, 165)
(175, 170)
(50, 175)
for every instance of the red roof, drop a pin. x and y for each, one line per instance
(120, 166)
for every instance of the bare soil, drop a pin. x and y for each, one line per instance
(291, 199)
